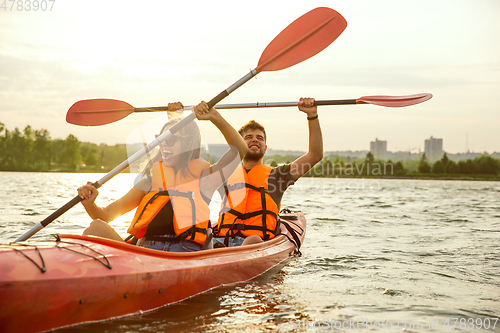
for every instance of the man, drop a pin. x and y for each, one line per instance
(251, 197)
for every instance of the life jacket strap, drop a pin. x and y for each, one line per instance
(246, 216)
(189, 195)
(156, 195)
(191, 232)
(263, 192)
(258, 189)
(236, 228)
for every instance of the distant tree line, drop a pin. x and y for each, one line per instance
(369, 166)
(34, 150)
(481, 165)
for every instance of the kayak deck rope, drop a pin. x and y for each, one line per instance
(106, 263)
(42, 268)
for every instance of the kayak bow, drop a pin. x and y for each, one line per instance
(75, 279)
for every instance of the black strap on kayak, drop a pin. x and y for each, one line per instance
(106, 263)
(287, 214)
(295, 240)
(286, 223)
(42, 268)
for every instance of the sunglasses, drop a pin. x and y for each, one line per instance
(170, 141)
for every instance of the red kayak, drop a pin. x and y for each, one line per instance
(76, 279)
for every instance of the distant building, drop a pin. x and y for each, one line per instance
(378, 149)
(434, 149)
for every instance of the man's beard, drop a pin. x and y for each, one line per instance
(254, 156)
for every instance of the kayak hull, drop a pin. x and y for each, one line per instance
(89, 279)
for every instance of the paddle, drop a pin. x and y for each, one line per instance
(95, 112)
(387, 101)
(302, 39)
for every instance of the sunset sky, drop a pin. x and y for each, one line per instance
(149, 53)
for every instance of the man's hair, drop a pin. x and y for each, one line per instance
(253, 125)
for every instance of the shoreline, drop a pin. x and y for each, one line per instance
(416, 177)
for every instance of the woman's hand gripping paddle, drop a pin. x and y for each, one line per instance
(302, 39)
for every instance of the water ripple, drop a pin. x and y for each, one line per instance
(376, 249)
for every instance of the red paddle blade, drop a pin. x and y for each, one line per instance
(303, 38)
(96, 112)
(394, 101)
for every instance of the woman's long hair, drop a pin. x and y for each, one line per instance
(190, 147)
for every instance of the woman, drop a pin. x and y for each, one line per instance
(173, 197)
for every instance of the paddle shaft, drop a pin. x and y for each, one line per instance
(254, 105)
(281, 104)
(223, 94)
(387, 101)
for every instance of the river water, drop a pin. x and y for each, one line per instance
(379, 255)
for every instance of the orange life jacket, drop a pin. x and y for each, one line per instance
(247, 207)
(191, 212)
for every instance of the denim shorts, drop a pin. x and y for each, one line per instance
(232, 241)
(172, 246)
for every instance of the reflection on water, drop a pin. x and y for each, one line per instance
(259, 304)
(31, 197)
(392, 250)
